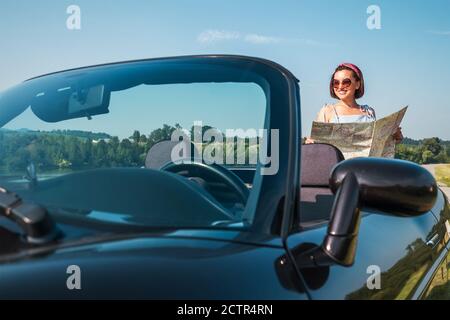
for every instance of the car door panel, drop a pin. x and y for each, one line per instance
(442, 212)
(438, 284)
(394, 246)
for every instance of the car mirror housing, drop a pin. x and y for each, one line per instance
(396, 186)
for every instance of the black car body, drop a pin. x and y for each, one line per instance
(386, 218)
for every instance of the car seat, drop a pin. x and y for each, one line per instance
(316, 198)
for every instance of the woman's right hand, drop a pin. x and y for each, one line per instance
(398, 135)
(309, 141)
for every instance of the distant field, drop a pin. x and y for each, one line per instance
(442, 173)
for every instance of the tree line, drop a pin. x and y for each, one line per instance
(425, 151)
(75, 149)
(60, 149)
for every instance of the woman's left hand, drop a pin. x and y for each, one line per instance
(398, 135)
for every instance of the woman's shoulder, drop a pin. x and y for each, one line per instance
(327, 107)
(367, 107)
(369, 110)
(325, 113)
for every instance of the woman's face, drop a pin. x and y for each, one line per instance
(345, 84)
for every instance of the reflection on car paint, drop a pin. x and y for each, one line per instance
(404, 272)
(401, 281)
(439, 288)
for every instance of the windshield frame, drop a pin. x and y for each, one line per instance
(275, 192)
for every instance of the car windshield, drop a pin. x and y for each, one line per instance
(107, 143)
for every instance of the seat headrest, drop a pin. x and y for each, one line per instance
(317, 161)
(160, 153)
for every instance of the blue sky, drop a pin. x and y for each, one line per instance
(148, 107)
(406, 62)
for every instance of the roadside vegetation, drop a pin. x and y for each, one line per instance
(442, 173)
(425, 151)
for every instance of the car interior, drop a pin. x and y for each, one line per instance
(232, 195)
(316, 196)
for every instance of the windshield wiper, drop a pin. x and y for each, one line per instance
(38, 226)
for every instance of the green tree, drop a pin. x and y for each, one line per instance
(428, 157)
(143, 139)
(433, 145)
(136, 137)
(164, 133)
(88, 157)
(100, 152)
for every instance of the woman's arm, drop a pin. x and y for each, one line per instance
(322, 116)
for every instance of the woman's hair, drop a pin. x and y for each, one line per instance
(357, 74)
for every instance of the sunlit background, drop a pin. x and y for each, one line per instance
(405, 62)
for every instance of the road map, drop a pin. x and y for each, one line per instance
(366, 139)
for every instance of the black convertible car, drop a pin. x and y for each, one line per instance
(186, 178)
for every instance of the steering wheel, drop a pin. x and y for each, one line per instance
(213, 172)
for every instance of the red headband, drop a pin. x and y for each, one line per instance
(353, 67)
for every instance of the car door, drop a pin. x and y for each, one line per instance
(396, 258)
(438, 287)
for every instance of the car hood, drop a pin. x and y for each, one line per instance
(174, 267)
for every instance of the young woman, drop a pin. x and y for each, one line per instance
(347, 85)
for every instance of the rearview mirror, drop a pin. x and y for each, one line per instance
(70, 103)
(395, 187)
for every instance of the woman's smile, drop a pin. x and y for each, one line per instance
(343, 93)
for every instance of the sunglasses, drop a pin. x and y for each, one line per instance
(345, 83)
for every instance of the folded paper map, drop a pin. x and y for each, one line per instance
(361, 139)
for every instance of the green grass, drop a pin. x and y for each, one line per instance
(411, 283)
(443, 174)
(441, 292)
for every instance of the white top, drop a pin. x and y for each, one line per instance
(368, 116)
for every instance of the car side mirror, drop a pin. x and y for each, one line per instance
(395, 187)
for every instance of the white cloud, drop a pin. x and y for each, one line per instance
(213, 36)
(259, 39)
(210, 36)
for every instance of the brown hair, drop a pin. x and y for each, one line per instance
(357, 74)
